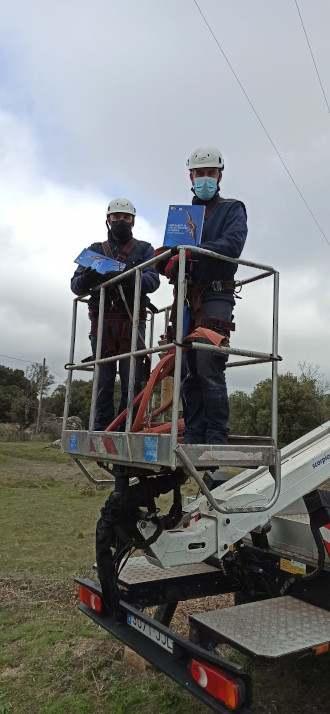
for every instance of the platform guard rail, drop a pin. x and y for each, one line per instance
(250, 452)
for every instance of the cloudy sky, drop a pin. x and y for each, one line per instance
(108, 98)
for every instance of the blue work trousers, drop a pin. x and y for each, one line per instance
(105, 410)
(205, 400)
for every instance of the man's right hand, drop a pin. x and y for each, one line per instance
(172, 267)
(108, 275)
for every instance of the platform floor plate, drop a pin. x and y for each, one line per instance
(151, 451)
(139, 570)
(269, 628)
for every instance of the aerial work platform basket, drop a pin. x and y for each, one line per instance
(154, 451)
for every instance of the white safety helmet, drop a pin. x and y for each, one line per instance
(205, 156)
(121, 205)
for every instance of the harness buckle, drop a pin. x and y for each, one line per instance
(217, 286)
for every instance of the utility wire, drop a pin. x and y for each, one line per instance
(312, 56)
(262, 124)
(57, 375)
(28, 361)
(18, 359)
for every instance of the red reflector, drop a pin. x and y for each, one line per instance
(217, 684)
(196, 518)
(90, 599)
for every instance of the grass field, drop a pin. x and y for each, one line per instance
(55, 661)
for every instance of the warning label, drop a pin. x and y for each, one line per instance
(292, 566)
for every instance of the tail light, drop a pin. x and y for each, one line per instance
(217, 684)
(89, 598)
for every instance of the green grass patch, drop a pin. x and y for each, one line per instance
(53, 660)
(60, 662)
(32, 451)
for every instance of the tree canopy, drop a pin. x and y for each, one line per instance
(81, 393)
(303, 404)
(19, 393)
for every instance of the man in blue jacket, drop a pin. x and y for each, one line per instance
(211, 298)
(118, 308)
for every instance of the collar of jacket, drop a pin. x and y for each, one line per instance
(210, 204)
(114, 241)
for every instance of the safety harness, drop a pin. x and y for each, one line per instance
(124, 252)
(195, 293)
(117, 324)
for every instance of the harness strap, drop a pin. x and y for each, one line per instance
(215, 323)
(124, 252)
(218, 286)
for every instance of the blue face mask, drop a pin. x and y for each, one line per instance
(205, 187)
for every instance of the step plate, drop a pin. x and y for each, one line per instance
(269, 628)
(139, 570)
(145, 584)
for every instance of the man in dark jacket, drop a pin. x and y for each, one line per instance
(117, 326)
(211, 298)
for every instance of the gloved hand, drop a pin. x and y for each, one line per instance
(172, 267)
(90, 278)
(161, 265)
(108, 275)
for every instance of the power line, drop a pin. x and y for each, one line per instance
(57, 375)
(262, 124)
(28, 361)
(312, 56)
(18, 359)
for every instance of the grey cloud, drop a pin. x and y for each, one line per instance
(113, 97)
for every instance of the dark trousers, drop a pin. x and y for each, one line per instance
(105, 410)
(205, 400)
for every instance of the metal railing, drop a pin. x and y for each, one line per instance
(255, 357)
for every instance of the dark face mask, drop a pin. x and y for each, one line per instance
(121, 230)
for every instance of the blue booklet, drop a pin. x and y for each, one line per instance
(184, 225)
(98, 262)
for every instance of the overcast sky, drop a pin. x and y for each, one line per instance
(108, 98)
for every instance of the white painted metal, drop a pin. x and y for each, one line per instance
(305, 466)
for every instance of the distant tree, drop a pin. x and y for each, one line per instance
(54, 404)
(302, 406)
(80, 400)
(241, 413)
(13, 388)
(33, 374)
(81, 393)
(19, 393)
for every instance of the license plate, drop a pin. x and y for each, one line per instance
(159, 637)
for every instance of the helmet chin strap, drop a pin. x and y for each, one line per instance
(109, 229)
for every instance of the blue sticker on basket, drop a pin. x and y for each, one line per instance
(150, 448)
(73, 442)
